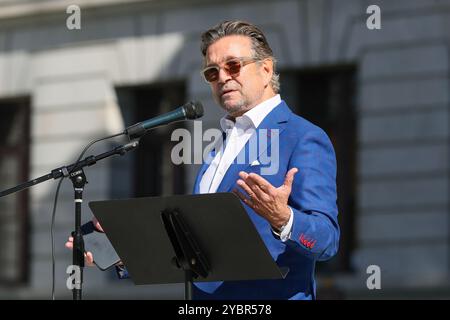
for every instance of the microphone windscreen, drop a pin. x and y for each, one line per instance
(193, 109)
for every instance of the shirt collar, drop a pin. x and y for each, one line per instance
(254, 116)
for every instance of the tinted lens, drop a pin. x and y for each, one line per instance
(211, 74)
(233, 67)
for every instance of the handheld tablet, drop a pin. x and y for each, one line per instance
(102, 250)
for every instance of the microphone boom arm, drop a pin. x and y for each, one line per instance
(74, 167)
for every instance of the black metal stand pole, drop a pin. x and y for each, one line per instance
(188, 285)
(188, 255)
(78, 180)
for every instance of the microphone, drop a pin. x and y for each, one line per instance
(191, 110)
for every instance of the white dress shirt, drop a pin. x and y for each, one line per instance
(238, 133)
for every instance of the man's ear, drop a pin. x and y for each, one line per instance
(267, 69)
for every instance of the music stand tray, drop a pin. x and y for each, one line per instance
(146, 231)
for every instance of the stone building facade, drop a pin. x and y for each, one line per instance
(386, 94)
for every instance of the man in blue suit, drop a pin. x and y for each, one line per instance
(291, 201)
(294, 206)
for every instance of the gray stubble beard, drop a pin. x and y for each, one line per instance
(237, 109)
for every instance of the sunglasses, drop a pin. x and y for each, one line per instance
(232, 67)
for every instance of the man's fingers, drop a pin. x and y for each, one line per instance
(257, 183)
(69, 243)
(246, 188)
(97, 224)
(257, 179)
(243, 175)
(242, 197)
(89, 258)
(290, 177)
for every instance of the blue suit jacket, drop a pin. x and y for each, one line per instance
(315, 231)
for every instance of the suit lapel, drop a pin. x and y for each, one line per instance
(203, 169)
(200, 174)
(275, 120)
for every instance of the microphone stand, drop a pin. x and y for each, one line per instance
(77, 176)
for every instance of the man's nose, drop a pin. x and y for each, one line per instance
(223, 76)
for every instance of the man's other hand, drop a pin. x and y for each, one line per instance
(88, 257)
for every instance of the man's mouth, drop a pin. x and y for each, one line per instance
(224, 92)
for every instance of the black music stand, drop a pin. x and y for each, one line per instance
(207, 237)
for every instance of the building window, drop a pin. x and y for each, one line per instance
(14, 169)
(326, 97)
(150, 171)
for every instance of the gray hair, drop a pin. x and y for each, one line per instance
(260, 46)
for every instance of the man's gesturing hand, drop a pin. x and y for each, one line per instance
(268, 201)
